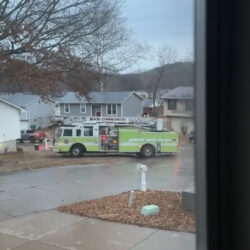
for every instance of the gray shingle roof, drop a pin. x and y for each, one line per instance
(96, 97)
(10, 104)
(180, 93)
(20, 99)
(147, 103)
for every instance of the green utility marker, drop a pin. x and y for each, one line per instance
(150, 210)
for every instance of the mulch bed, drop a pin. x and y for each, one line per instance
(115, 208)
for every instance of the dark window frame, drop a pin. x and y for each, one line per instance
(91, 131)
(68, 129)
(66, 105)
(30, 131)
(85, 108)
(78, 130)
(172, 104)
(111, 109)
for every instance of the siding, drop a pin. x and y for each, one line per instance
(24, 115)
(40, 113)
(132, 107)
(176, 123)
(180, 109)
(24, 125)
(75, 110)
(9, 123)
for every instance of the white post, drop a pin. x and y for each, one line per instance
(143, 169)
(143, 181)
(131, 199)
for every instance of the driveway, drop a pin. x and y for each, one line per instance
(24, 193)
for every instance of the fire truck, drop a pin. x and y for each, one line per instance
(142, 136)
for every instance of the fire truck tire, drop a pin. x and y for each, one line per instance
(77, 151)
(148, 151)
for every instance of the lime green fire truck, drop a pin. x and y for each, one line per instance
(109, 137)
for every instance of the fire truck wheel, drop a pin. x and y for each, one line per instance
(148, 151)
(77, 151)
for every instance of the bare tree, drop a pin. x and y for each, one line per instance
(148, 78)
(165, 55)
(39, 40)
(113, 49)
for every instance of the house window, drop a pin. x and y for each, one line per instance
(66, 108)
(82, 108)
(88, 131)
(172, 105)
(111, 109)
(189, 105)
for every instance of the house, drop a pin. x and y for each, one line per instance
(179, 109)
(112, 104)
(35, 113)
(148, 104)
(9, 125)
(150, 110)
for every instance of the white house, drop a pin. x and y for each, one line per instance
(9, 125)
(35, 113)
(179, 109)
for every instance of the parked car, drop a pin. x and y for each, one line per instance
(32, 135)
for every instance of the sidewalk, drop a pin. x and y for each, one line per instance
(53, 230)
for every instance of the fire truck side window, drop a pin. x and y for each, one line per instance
(88, 131)
(78, 132)
(67, 132)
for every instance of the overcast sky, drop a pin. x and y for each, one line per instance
(160, 22)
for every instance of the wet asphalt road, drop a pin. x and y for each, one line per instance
(39, 190)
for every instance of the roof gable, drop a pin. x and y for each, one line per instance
(20, 99)
(10, 104)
